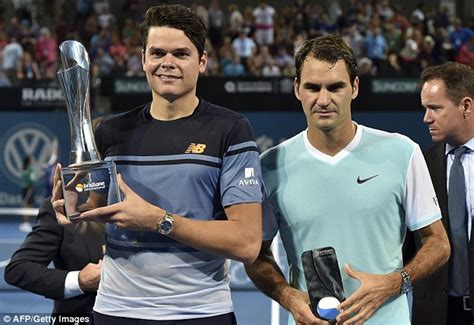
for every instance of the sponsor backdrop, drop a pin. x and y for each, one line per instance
(33, 116)
(32, 133)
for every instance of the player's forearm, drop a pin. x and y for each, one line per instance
(236, 239)
(268, 277)
(434, 253)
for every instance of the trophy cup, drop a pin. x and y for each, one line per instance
(87, 182)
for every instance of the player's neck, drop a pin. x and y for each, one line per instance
(166, 110)
(331, 142)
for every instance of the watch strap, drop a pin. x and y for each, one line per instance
(406, 282)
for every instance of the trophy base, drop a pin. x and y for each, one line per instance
(89, 186)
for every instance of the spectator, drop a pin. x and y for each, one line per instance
(11, 56)
(202, 12)
(325, 25)
(105, 18)
(398, 20)
(103, 63)
(100, 39)
(225, 52)
(4, 81)
(46, 50)
(425, 56)
(27, 68)
(264, 16)
(244, 46)
(283, 58)
(466, 54)
(366, 67)
(460, 35)
(418, 13)
(3, 40)
(13, 29)
(376, 46)
(385, 11)
(117, 50)
(236, 20)
(216, 22)
(392, 67)
(129, 29)
(255, 63)
(234, 68)
(134, 62)
(409, 54)
(442, 18)
(355, 40)
(270, 69)
(392, 35)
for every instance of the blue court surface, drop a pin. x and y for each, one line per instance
(251, 306)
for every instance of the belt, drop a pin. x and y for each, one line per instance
(463, 302)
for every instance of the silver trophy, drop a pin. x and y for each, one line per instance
(88, 182)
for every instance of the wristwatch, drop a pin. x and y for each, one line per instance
(165, 225)
(406, 282)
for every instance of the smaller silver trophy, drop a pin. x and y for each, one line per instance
(88, 182)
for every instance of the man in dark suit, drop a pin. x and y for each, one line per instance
(447, 96)
(73, 281)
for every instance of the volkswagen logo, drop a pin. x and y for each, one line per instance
(26, 139)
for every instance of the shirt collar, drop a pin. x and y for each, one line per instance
(469, 144)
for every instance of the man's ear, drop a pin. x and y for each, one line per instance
(466, 106)
(203, 62)
(296, 85)
(355, 88)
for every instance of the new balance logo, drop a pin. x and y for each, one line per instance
(196, 148)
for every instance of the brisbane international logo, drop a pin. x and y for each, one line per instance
(26, 139)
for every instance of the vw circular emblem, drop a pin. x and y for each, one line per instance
(27, 139)
(230, 87)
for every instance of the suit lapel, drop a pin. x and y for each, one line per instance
(436, 161)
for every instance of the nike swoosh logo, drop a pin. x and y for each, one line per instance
(363, 180)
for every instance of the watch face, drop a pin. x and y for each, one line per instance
(165, 226)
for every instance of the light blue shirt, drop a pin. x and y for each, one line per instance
(359, 201)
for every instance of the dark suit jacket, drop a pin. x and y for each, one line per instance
(48, 241)
(430, 295)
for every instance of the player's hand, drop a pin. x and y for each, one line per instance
(132, 213)
(297, 303)
(374, 290)
(57, 199)
(89, 277)
(58, 203)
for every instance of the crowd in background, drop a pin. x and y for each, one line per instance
(255, 40)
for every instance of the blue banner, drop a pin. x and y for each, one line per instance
(29, 134)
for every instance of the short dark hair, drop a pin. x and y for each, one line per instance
(178, 17)
(330, 48)
(458, 79)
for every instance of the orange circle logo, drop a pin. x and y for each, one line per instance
(79, 187)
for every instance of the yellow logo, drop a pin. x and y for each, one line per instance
(80, 187)
(196, 148)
